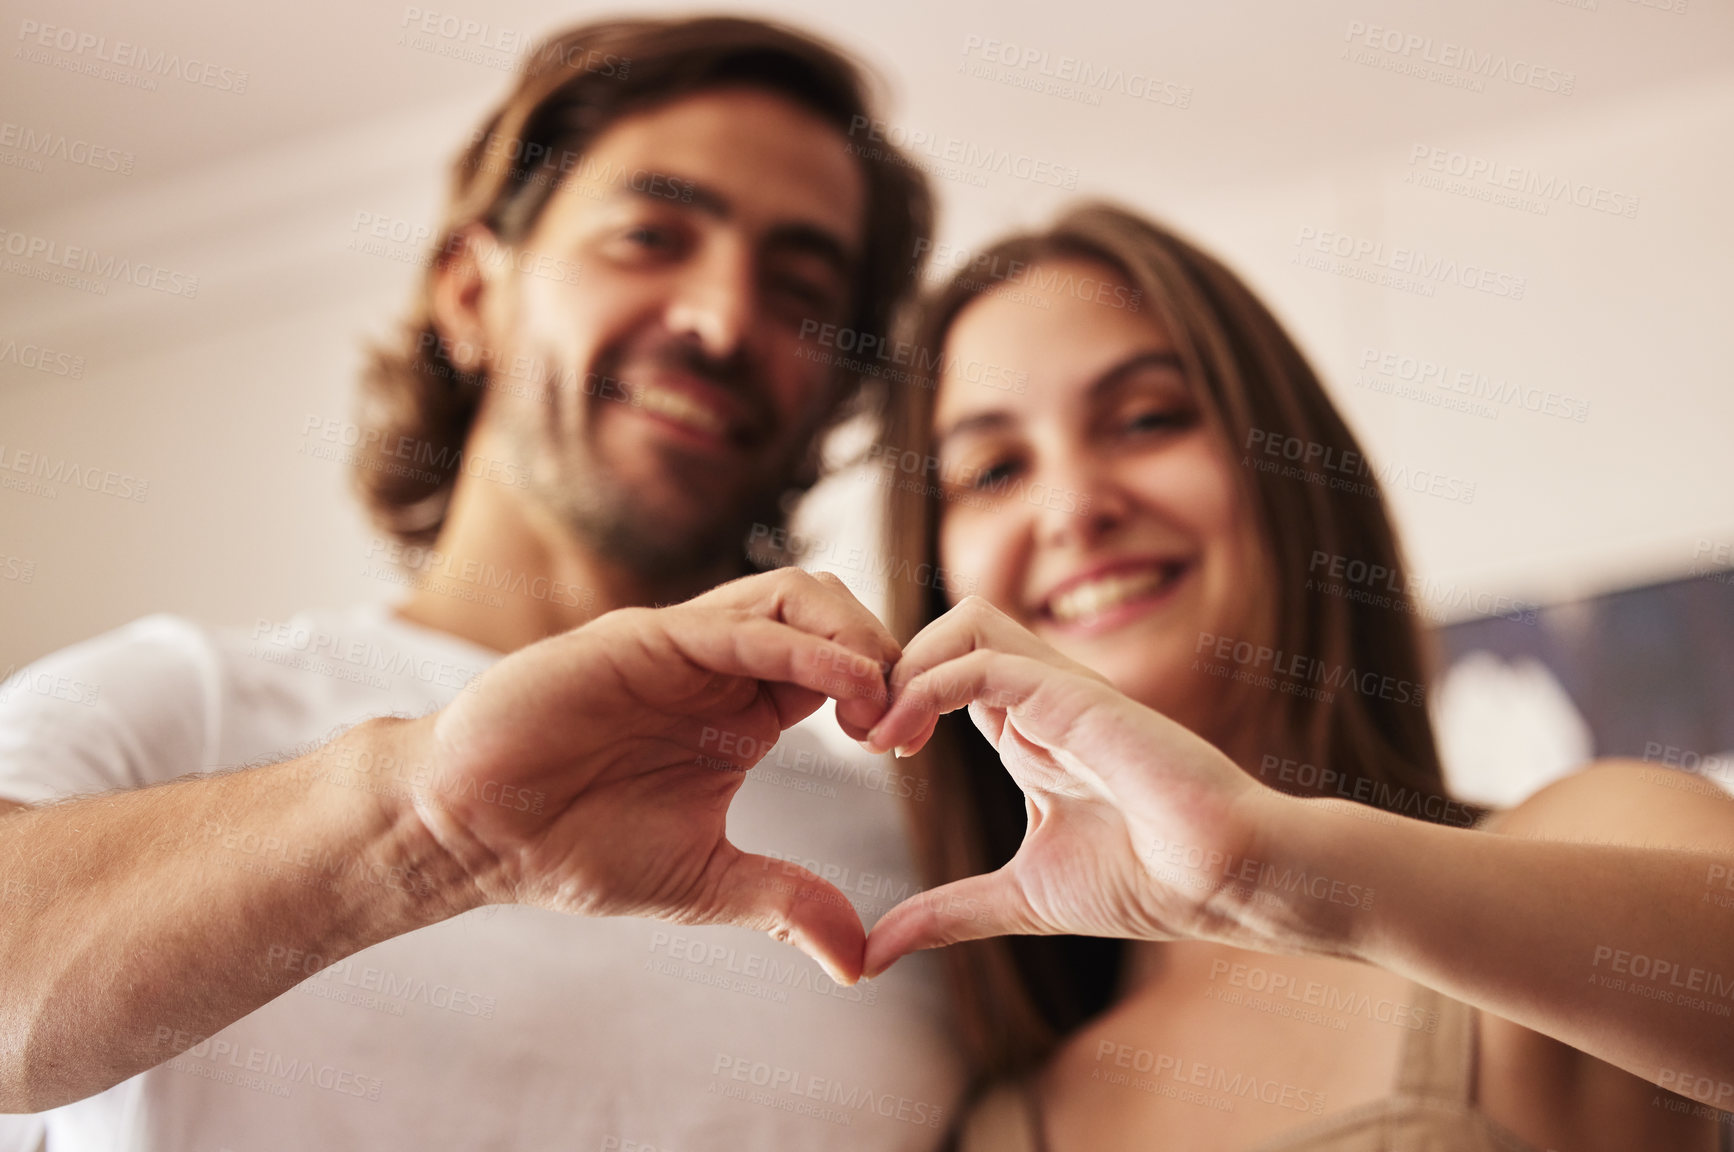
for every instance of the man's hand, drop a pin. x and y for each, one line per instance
(1115, 793)
(591, 773)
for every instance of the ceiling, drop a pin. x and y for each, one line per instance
(1270, 91)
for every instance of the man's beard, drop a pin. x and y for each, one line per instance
(554, 445)
(613, 521)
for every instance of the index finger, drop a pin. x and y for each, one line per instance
(857, 715)
(999, 679)
(972, 625)
(818, 604)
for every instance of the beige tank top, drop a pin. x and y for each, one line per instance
(1432, 1107)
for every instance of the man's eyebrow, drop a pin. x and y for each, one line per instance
(994, 418)
(688, 194)
(798, 237)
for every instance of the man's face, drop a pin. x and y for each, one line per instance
(660, 298)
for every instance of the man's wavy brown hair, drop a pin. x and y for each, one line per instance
(574, 86)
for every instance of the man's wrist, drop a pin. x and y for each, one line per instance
(372, 766)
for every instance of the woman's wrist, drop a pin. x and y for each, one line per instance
(1310, 880)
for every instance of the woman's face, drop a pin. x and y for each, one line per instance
(1088, 494)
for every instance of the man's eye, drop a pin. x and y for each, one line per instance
(805, 296)
(654, 239)
(634, 245)
(803, 290)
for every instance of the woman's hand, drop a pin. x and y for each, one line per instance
(1137, 828)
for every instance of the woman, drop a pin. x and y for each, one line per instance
(1129, 458)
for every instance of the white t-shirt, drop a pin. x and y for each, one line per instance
(507, 1027)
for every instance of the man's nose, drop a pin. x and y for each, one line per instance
(714, 301)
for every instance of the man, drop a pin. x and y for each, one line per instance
(354, 938)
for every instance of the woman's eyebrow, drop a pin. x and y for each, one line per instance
(993, 418)
(1138, 362)
(985, 421)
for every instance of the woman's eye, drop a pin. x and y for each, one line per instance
(1156, 420)
(993, 476)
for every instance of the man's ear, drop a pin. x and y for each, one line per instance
(464, 278)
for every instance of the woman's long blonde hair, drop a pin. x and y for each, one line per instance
(1018, 995)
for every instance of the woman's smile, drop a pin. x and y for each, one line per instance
(1110, 594)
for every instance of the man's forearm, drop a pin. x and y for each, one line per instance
(1606, 948)
(133, 924)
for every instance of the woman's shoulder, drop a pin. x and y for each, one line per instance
(1613, 802)
(1633, 803)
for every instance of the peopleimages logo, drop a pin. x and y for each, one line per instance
(105, 267)
(1369, 255)
(862, 350)
(1376, 584)
(41, 683)
(1465, 388)
(41, 359)
(1328, 465)
(973, 159)
(754, 974)
(1338, 1001)
(1000, 271)
(1068, 77)
(1481, 177)
(1293, 673)
(393, 237)
(1246, 877)
(1364, 790)
(1683, 983)
(1447, 61)
(260, 1069)
(477, 42)
(299, 646)
(91, 51)
(1195, 1081)
(45, 471)
(823, 1097)
(40, 144)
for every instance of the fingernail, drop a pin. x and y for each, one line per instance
(902, 752)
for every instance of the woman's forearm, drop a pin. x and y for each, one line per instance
(1623, 953)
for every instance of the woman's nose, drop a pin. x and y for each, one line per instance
(1080, 499)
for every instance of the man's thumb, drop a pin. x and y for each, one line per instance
(796, 907)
